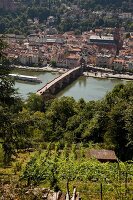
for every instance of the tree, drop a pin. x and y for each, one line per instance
(129, 128)
(53, 63)
(8, 93)
(119, 126)
(6, 83)
(10, 105)
(6, 134)
(35, 103)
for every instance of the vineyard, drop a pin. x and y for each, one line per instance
(94, 180)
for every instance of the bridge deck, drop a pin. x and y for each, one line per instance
(48, 85)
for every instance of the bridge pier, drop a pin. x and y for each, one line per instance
(52, 90)
(58, 87)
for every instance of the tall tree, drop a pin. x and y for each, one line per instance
(7, 90)
(10, 105)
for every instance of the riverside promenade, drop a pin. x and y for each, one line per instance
(108, 75)
(41, 69)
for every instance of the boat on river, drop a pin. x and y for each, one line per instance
(26, 78)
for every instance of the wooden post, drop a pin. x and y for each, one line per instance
(74, 194)
(101, 192)
(119, 180)
(67, 195)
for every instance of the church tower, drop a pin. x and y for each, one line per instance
(117, 38)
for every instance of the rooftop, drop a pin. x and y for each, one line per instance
(106, 155)
(97, 37)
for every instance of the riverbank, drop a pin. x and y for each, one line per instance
(41, 69)
(97, 74)
(108, 75)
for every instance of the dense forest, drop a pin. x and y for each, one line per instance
(69, 15)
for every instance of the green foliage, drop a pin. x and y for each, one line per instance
(107, 122)
(119, 102)
(35, 103)
(17, 167)
(7, 106)
(53, 63)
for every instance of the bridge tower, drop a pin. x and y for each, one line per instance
(83, 64)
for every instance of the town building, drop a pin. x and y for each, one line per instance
(130, 42)
(126, 15)
(102, 40)
(72, 61)
(28, 59)
(104, 60)
(130, 65)
(118, 64)
(67, 49)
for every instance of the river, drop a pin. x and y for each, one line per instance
(84, 87)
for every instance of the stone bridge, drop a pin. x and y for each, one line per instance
(56, 85)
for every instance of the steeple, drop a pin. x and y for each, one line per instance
(117, 38)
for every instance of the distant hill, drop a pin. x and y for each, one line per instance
(69, 15)
(9, 5)
(90, 4)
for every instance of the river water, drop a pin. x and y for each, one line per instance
(84, 87)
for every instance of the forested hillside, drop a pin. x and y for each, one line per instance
(69, 15)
